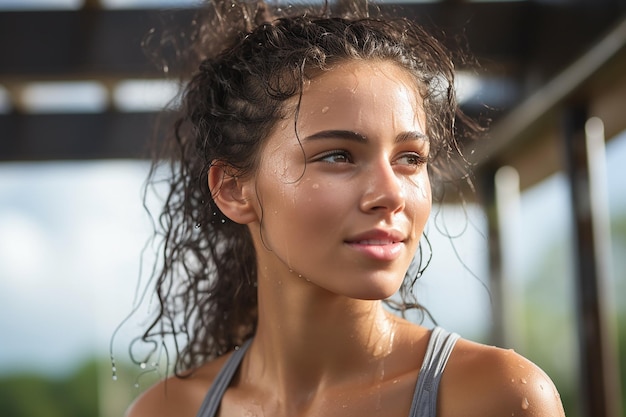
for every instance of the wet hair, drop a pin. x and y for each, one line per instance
(249, 62)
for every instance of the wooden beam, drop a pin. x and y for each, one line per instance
(538, 116)
(37, 137)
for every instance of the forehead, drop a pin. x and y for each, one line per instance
(362, 92)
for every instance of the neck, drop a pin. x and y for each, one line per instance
(308, 338)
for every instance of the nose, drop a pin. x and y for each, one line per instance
(383, 189)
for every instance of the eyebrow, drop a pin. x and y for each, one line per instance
(358, 137)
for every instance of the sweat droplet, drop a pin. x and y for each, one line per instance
(525, 404)
(325, 109)
(523, 380)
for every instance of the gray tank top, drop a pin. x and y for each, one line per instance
(424, 402)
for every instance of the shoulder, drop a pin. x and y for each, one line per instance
(487, 381)
(175, 396)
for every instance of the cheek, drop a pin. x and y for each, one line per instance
(315, 200)
(295, 202)
(423, 188)
(419, 198)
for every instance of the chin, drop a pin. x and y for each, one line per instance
(381, 292)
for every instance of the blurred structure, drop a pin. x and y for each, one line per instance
(75, 84)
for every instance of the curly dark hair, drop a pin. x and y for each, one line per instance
(206, 284)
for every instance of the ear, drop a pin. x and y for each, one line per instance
(232, 194)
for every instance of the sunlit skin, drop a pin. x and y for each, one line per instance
(336, 209)
(344, 207)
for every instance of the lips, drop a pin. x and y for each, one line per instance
(375, 242)
(381, 245)
(378, 237)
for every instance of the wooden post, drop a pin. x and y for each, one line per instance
(597, 384)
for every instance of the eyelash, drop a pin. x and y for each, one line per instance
(335, 152)
(418, 158)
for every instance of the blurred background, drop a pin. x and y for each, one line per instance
(535, 260)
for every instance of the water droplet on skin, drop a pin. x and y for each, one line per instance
(512, 379)
(325, 109)
(315, 186)
(523, 380)
(525, 404)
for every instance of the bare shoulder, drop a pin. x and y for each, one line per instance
(176, 397)
(487, 381)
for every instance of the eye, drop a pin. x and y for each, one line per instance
(335, 157)
(411, 158)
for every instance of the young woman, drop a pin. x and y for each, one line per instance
(301, 184)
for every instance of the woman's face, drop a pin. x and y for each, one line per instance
(344, 207)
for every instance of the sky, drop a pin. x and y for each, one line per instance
(71, 235)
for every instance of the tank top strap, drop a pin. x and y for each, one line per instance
(213, 398)
(424, 402)
(437, 354)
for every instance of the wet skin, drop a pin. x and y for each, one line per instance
(336, 211)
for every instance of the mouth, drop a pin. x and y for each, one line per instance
(378, 245)
(374, 242)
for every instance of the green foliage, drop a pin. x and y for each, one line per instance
(29, 395)
(87, 392)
